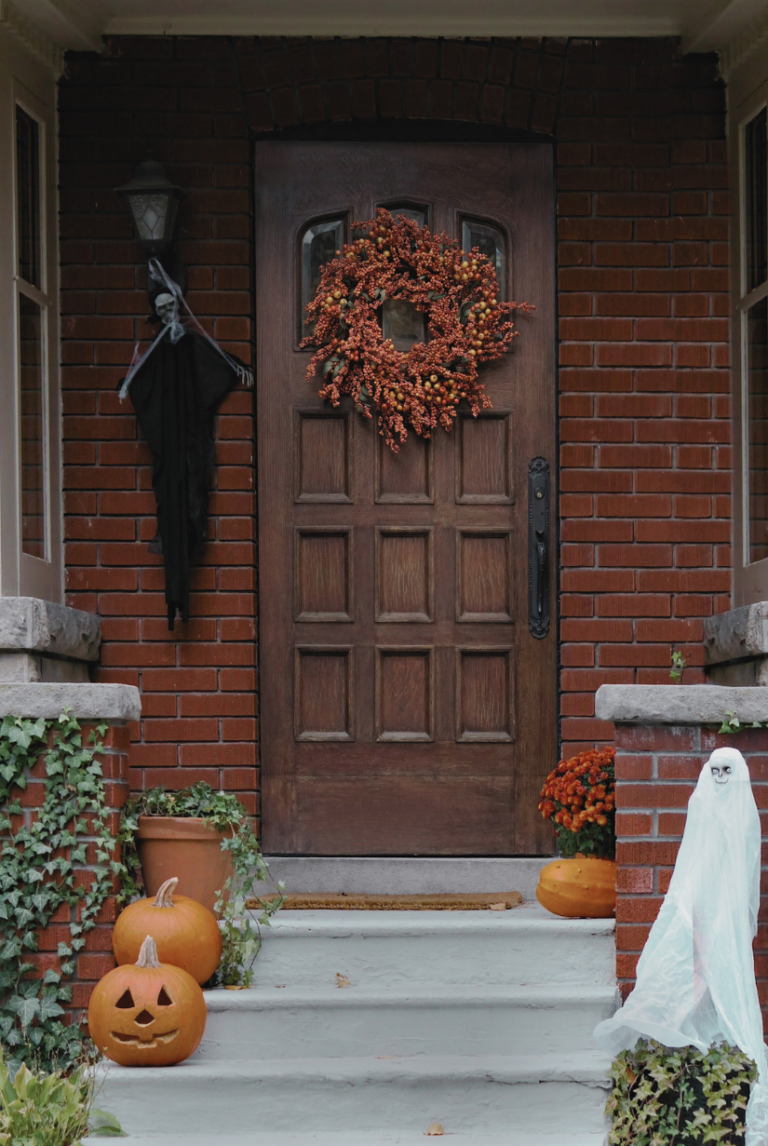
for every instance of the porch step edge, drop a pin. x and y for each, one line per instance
(528, 919)
(586, 1069)
(344, 1138)
(221, 1001)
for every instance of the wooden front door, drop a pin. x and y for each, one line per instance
(406, 706)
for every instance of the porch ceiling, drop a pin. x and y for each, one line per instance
(703, 26)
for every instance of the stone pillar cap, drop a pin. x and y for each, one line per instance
(737, 634)
(32, 625)
(679, 703)
(113, 702)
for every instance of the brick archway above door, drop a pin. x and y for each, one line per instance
(512, 83)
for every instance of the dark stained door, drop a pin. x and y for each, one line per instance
(406, 709)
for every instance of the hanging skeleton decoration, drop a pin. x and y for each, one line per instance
(175, 388)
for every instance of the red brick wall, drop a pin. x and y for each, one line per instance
(643, 224)
(656, 770)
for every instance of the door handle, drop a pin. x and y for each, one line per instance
(538, 547)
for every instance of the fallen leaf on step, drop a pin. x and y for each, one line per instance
(434, 1130)
(233, 987)
(342, 980)
(280, 986)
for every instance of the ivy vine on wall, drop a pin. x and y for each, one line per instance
(39, 864)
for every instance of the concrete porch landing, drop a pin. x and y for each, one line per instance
(408, 875)
(481, 1021)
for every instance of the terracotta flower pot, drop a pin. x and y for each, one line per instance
(176, 846)
(582, 887)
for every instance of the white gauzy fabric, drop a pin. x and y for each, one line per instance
(696, 976)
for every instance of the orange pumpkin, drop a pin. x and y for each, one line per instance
(147, 1013)
(186, 933)
(580, 887)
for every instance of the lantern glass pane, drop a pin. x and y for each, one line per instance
(150, 212)
(32, 429)
(490, 242)
(757, 428)
(28, 206)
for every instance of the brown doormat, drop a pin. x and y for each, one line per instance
(465, 901)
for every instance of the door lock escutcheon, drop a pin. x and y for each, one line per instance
(538, 547)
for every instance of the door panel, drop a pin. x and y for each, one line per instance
(406, 709)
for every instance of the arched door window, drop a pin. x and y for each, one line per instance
(490, 242)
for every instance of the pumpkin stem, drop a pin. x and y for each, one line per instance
(148, 954)
(164, 897)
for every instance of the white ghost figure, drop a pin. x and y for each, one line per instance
(696, 975)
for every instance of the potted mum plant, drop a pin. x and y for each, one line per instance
(579, 799)
(206, 839)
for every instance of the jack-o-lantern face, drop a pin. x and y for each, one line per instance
(148, 1013)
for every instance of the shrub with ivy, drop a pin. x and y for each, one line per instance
(242, 911)
(666, 1096)
(40, 859)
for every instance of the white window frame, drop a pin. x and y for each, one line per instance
(26, 83)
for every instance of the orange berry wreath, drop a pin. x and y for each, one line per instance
(467, 325)
(579, 798)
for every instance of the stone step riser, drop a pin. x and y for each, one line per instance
(342, 1138)
(339, 1029)
(307, 960)
(241, 1106)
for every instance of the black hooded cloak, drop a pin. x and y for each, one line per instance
(175, 393)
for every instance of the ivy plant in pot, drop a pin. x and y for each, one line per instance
(206, 839)
(579, 800)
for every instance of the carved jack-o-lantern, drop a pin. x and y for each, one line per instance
(148, 1013)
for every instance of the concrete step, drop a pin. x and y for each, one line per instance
(402, 948)
(539, 1095)
(340, 1138)
(408, 875)
(263, 1023)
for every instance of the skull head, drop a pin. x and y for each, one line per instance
(165, 307)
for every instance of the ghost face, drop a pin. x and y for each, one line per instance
(721, 773)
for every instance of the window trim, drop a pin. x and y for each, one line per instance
(30, 87)
(749, 580)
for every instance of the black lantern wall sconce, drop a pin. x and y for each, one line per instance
(153, 202)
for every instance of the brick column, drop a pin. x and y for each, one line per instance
(664, 733)
(116, 705)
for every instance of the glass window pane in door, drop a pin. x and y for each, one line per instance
(415, 213)
(490, 242)
(403, 323)
(757, 429)
(756, 193)
(28, 196)
(319, 245)
(32, 414)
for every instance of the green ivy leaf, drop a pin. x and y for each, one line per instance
(27, 1009)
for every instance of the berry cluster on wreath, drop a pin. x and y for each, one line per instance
(467, 325)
